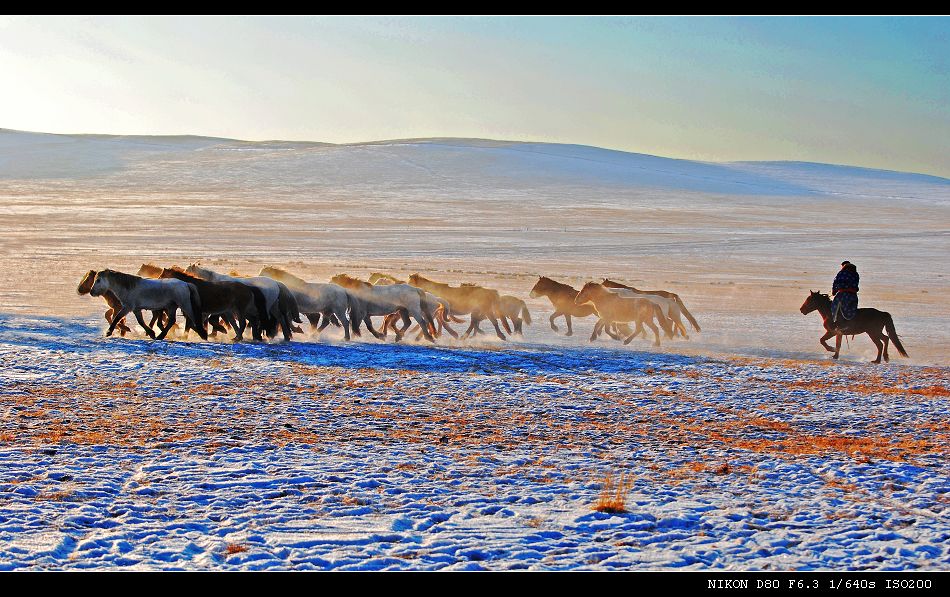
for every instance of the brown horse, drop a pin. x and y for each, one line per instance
(514, 309)
(562, 297)
(867, 321)
(85, 285)
(480, 302)
(386, 299)
(670, 295)
(613, 308)
(227, 300)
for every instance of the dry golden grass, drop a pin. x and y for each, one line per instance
(55, 496)
(233, 548)
(535, 522)
(354, 501)
(613, 496)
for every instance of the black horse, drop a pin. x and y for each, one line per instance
(867, 321)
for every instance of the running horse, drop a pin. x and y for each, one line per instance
(867, 321)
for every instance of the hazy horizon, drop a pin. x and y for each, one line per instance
(866, 92)
(502, 141)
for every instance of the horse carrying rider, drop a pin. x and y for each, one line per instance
(845, 291)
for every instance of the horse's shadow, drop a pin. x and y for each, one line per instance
(85, 336)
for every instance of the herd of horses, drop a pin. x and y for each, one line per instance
(271, 305)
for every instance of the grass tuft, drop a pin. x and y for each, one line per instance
(613, 496)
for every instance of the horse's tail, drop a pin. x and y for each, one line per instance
(689, 316)
(292, 308)
(525, 314)
(260, 303)
(356, 311)
(665, 322)
(428, 313)
(196, 320)
(892, 334)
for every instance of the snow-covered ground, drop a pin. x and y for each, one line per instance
(130, 453)
(744, 447)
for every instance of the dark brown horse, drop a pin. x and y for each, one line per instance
(227, 300)
(867, 321)
(562, 297)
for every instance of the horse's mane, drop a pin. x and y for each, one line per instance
(558, 285)
(126, 281)
(284, 273)
(379, 275)
(351, 280)
(183, 274)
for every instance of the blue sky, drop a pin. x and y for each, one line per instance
(865, 91)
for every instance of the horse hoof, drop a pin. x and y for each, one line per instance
(569, 334)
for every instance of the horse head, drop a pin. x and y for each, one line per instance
(540, 287)
(101, 284)
(85, 285)
(586, 293)
(811, 302)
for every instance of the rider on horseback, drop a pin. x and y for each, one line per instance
(845, 291)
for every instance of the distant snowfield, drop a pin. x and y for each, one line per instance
(745, 447)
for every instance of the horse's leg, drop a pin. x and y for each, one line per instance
(238, 332)
(445, 326)
(634, 334)
(613, 330)
(340, 315)
(570, 330)
(837, 345)
(314, 319)
(148, 331)
(369, 325)
(876, 338)
(170, 322)
(656, 332)
(215, 322)
(286, 326)
(406, 324)
(389, 321)
(887, 340)
(122, 327)
(494, 322)
(420, 318)
(551, 319)
(517, 324)
(471, 326)
(141, 320)
(824, 342)
(601, 324)
(122, 312)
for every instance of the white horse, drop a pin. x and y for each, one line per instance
(137, 293)
(315, 298)
(669, 307)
